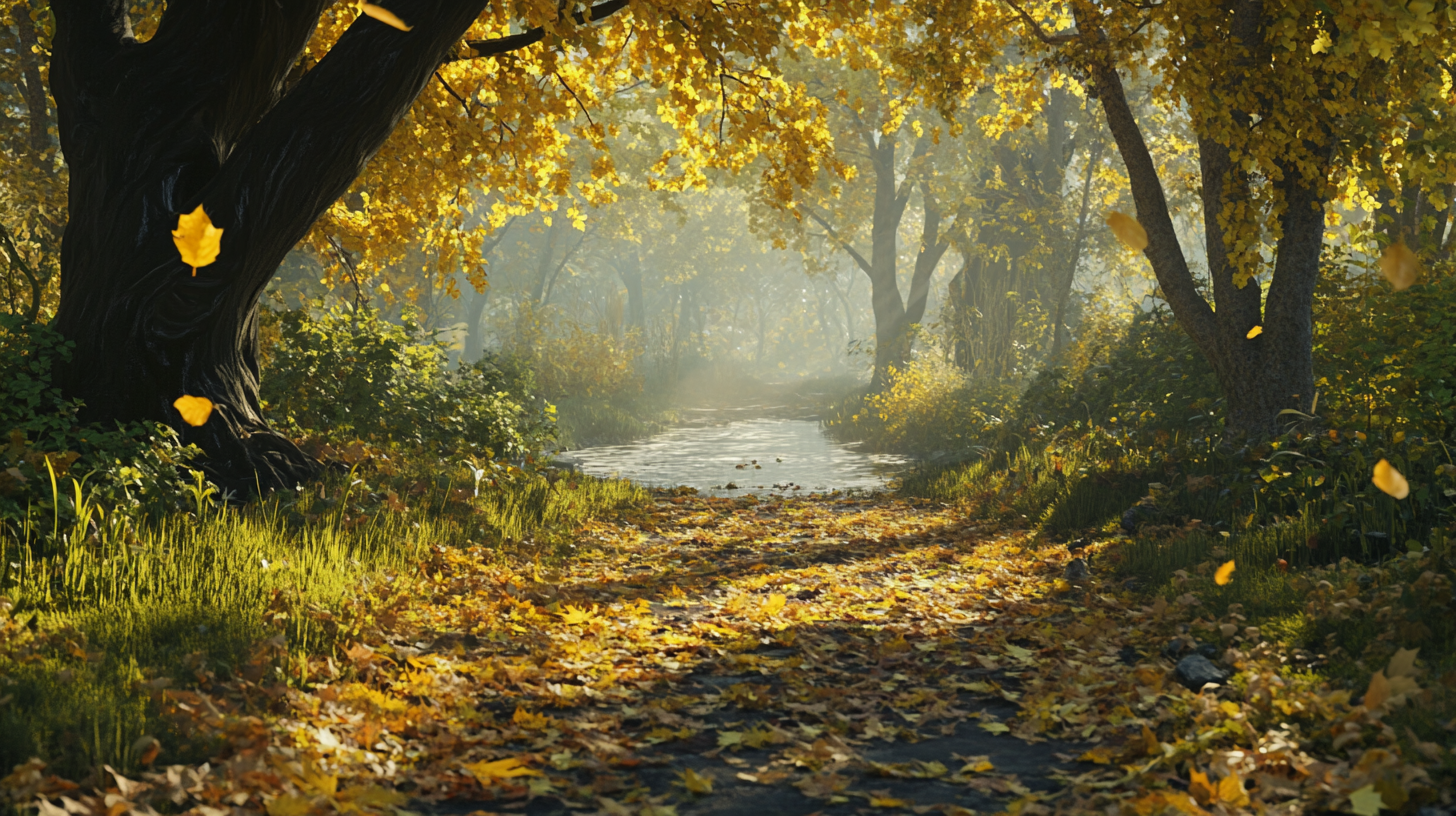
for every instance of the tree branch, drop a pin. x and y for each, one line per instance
(529, 37)
(833, 233)
(1163, 251)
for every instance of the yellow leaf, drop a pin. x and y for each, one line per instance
(980, 764)
(1399, 265)
(995, 727)
(372, 796)
(529, 721)
(1231, 791)
(197, 240)
(1102, 755)
(1224, 574)
(1402, 664)
(1254, 332)
(194, 410)
(696, 782)
(1389, 480)
(288, 806)
(1378, 693)
(1201, 789)
(575, 615)
(888, 802)
(487, 772)
(773, 605)
(1366, 801)
(384, 15)
(1128, 230)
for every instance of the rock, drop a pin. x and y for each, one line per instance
(1208, 650)
(1195, 671)
(1077, 570)
(1128, 655)
(1138, 515)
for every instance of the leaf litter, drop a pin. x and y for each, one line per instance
(782, 656)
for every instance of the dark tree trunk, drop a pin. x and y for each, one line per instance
(197, 115)
(894, 318)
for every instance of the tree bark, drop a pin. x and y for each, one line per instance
(197, 116)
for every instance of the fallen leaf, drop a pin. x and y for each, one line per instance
(1201, 789)
(194, 410)
(995, 727)
(384, 15)
(1366, 801)
(1224, 574)
(1231, 791)
(487, 772)
(289, 806)
(197, 240)
(1399, 265)
(1389, 480)
(1402, 663)
(1128, 230)
(1378, 693)
(773, 605)
(696, 782)
(574, 615)
(1254, 332)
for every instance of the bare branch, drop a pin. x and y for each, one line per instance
(515, 42)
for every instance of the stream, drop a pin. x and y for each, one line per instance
(761, 456)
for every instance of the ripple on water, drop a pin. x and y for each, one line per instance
(788, 453)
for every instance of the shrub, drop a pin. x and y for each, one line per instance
(138, 468)
(353, 375)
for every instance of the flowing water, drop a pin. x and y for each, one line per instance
(763, 456)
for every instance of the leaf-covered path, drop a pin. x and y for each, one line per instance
(786, 656)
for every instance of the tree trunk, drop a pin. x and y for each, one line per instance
(1274, 370)
(197, 116)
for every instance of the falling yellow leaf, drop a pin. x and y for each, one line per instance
(194, 410)
(1224, 574)
(696, 782)
(487, 772)
(1389, 480)
(384, 15)
(197, 239)
(1128, 230)
(1366, 801)
(1378, 693)
(1399, 265)
(1254, 332)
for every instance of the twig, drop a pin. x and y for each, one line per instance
(353, 273)
(36, 289)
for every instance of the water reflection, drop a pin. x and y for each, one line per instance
(775, 455)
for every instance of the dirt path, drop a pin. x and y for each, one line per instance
(721, 656)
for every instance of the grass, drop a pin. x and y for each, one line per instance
(96, 612)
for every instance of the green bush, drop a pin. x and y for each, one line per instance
(353, 375)
(138, 468)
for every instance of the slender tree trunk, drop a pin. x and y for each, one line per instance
(1059, 322)
(197, 116)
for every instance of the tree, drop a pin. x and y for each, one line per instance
(240, 107)
(1294, 107)
(892, 156)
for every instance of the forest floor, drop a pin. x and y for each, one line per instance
(735, 656)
